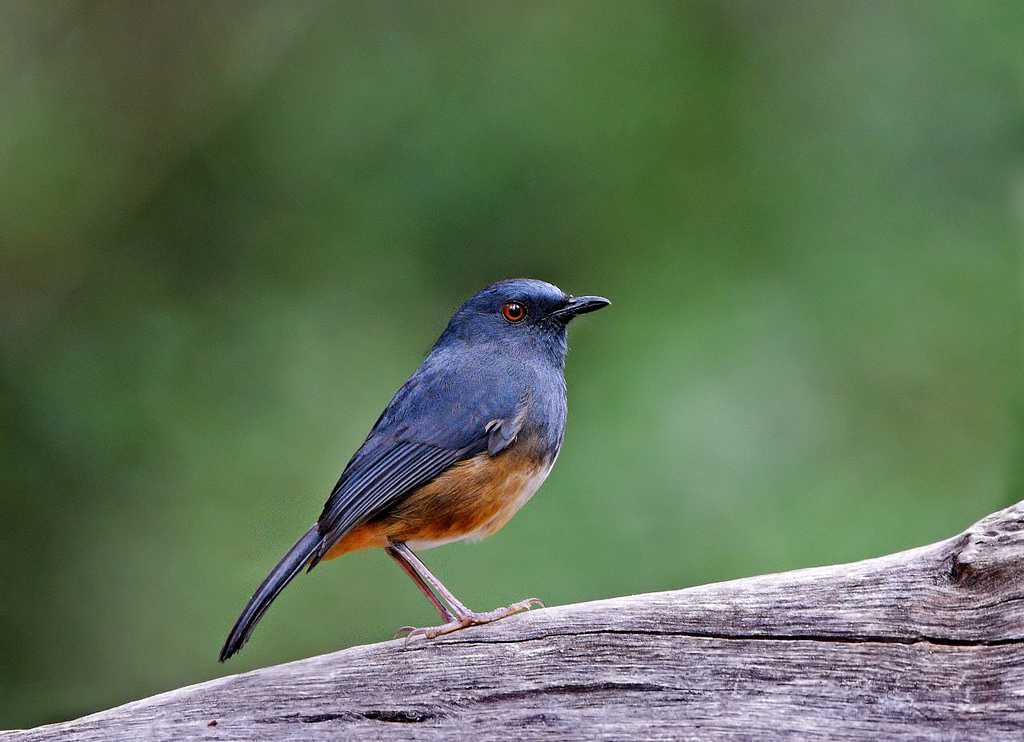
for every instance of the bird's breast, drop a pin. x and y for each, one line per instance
(473, 499)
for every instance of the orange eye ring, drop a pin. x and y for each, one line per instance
(513, 311)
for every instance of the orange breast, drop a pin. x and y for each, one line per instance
(471, 500)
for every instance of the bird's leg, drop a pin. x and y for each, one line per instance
(460, 616)
(442, 609)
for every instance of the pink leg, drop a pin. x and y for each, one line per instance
(442, 609)
(463, 616)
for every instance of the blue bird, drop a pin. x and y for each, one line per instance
(462, 445)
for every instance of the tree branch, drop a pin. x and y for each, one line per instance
(923, 644)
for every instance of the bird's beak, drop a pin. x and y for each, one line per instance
(577, 305)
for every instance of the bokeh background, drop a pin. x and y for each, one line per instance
(230, 230)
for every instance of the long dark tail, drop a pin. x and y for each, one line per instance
(289, 566)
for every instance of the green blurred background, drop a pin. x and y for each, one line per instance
(230, 230)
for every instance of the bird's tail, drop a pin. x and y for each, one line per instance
(289, 566)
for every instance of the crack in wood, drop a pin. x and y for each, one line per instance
(390, 716)
(575, 688)
(827, 638)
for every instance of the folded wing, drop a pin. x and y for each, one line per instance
(432, 423)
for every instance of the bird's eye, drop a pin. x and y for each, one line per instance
(513, 311)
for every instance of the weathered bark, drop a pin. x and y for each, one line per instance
(924, 644)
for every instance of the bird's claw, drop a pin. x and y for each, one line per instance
(470, 619)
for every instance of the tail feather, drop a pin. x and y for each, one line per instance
(289, 566)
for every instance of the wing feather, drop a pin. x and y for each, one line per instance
(452, 408)
(368, 487)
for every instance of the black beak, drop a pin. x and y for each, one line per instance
(577, 305)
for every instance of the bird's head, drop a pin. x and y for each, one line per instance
(519, 313)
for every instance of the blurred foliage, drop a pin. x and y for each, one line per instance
(230, 230)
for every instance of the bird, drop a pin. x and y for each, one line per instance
(463, 444)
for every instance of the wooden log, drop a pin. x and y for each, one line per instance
(923, 644)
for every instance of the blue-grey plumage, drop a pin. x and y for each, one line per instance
(465, 441)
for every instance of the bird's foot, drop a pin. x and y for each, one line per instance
(471, 618)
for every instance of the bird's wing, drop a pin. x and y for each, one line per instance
(366, 489)
(431, 423)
